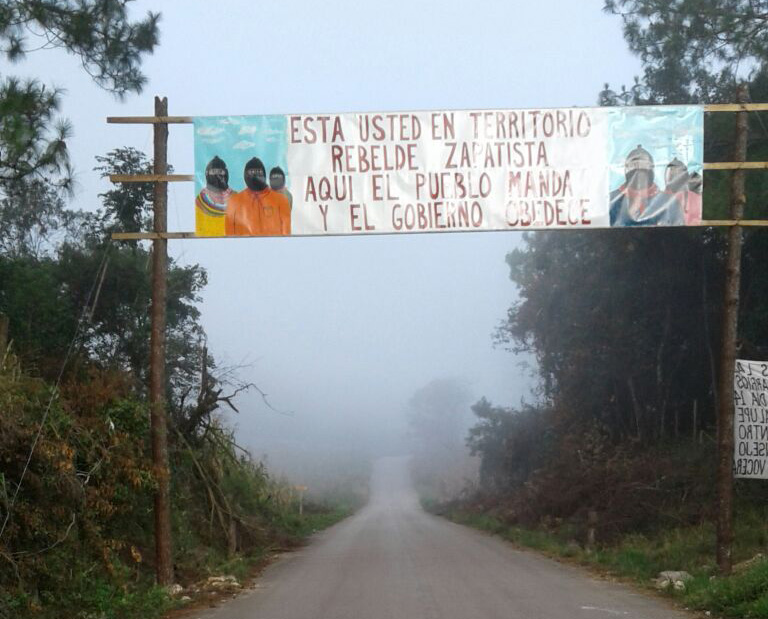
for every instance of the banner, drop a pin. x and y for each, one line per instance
(750, 427)
(441, 171)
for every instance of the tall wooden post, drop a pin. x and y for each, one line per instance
(158, 422)
(725, 410)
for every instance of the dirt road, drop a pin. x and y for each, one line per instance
(394, 561)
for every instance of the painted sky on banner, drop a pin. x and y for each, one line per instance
(437, 171)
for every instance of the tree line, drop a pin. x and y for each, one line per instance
(625, 324)
(76, 483)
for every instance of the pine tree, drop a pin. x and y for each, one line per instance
(110, 47)
(695, 50)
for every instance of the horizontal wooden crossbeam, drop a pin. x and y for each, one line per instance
(736, 107)
(142, 120)
(185, 120)
(754, 223)
(736, 165)
(151, 178)
(182, 178)
(149, 236)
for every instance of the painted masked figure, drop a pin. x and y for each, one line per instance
(277, 183)
(211, 202)
(630, 203)
(679, 195)
(257, 210)
(694, 183)
(638, 201)
(693, 206)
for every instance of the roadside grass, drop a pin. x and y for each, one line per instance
(313, 521)
(97, 596)
(94, 596)
(640, 558)
(316, 517)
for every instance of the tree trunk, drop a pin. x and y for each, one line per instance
(725, 410)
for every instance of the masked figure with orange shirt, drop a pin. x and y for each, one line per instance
(257, 210)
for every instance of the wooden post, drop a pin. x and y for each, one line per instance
(728, 349)
(158, 421)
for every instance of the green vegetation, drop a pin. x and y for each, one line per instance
(641, 558)
(317, 518)
(79, 538)
(617, 448)
(693, 50)
(76, 488)
(110, 48)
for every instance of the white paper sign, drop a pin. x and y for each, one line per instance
(750, 398)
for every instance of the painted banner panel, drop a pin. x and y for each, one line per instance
(440, 171)
(750, 427)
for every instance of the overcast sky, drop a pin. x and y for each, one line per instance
(342, 331)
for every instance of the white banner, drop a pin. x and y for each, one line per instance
(448, 171)
(750, 397)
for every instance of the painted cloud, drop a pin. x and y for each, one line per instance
(243, 145)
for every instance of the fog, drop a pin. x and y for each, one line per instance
(375, 320)
(341, 332)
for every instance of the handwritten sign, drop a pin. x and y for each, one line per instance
(750, 395)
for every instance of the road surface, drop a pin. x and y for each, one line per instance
(394, 561)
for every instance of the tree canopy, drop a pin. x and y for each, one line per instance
(76, 485)
(625, 323)
(695, 49)
(110, 48)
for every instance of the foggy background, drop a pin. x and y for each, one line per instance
(341, 332)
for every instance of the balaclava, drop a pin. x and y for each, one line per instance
(676, 176)
(276, 178)
(638, 169)
(694, 182)
(216, 174)
(255, 175)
